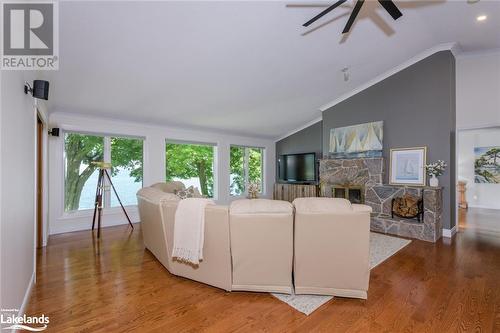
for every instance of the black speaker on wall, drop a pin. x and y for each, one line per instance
(54, 131)
(41, 89)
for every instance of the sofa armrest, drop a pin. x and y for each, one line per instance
(215, 268)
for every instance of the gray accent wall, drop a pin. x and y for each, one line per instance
(417, 106)
(307, 140)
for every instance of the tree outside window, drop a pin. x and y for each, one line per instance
(246, 165)
(81, 175)
(80, 151)
(193, 164)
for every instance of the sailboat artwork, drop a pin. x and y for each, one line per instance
(363, 140)
(407, 166)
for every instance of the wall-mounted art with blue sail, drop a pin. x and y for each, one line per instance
(363, 140)
(487, 165)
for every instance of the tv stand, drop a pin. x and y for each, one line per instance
(288, 192)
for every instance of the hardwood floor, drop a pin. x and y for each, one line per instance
(115, 285)
(480, 220)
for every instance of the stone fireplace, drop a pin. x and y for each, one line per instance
(367, 174)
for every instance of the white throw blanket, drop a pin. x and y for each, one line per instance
(189, 229)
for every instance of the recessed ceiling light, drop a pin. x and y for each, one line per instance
(481, 17)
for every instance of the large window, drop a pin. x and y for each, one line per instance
(126, 175)
(80, 179)
(246, 165)
(193, 164)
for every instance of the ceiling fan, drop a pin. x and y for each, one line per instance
(388, 5)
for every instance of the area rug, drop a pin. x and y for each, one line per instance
(382, 247)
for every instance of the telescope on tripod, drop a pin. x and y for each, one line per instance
(101, 186)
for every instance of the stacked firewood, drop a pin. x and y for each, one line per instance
(406, 206)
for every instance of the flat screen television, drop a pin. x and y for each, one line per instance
(297, 168)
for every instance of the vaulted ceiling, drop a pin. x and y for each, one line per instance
(242, 67)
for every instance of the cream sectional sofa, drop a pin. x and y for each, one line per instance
(157, 212)
(255, 245)
(256, 264)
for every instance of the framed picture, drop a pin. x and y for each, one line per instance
(487, 165)
(362, 140)
(407, 166)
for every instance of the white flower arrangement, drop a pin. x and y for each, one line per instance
(436, 168)
(253, 189)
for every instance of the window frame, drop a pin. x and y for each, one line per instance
(107, 158)
(246, 160)
(215, 168)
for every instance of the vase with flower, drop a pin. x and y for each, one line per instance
(435, 170)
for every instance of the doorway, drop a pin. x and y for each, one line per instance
(39, 182)
(478, 170)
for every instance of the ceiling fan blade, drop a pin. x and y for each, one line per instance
(354, 13)
(323, 13)
(391, 8)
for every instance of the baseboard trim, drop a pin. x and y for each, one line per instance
(27, 295)
(483, 207)
(83, 220)
(62, 229)
(448, 233)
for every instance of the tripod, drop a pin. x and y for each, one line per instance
(103, 172)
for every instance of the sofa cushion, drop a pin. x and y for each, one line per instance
(321, 205)
(169, 187)
(155, 195)
(260, 206)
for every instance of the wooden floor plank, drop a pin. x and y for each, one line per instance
(115, 285)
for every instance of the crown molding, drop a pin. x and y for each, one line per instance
(453, 47)
(479, 53)
(298, 129)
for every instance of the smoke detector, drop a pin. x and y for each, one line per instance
(345, 70)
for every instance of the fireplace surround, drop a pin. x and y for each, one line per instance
(368, 173)
(355, 194)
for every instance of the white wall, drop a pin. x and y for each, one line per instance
(154, 163)
(478, 89)
(478, 195)
(17, 165)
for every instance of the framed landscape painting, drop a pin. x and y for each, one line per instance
(407, 166)
(487, 165)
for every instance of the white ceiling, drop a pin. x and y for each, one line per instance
(241, 67)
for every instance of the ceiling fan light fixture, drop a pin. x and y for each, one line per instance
(388, 5)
